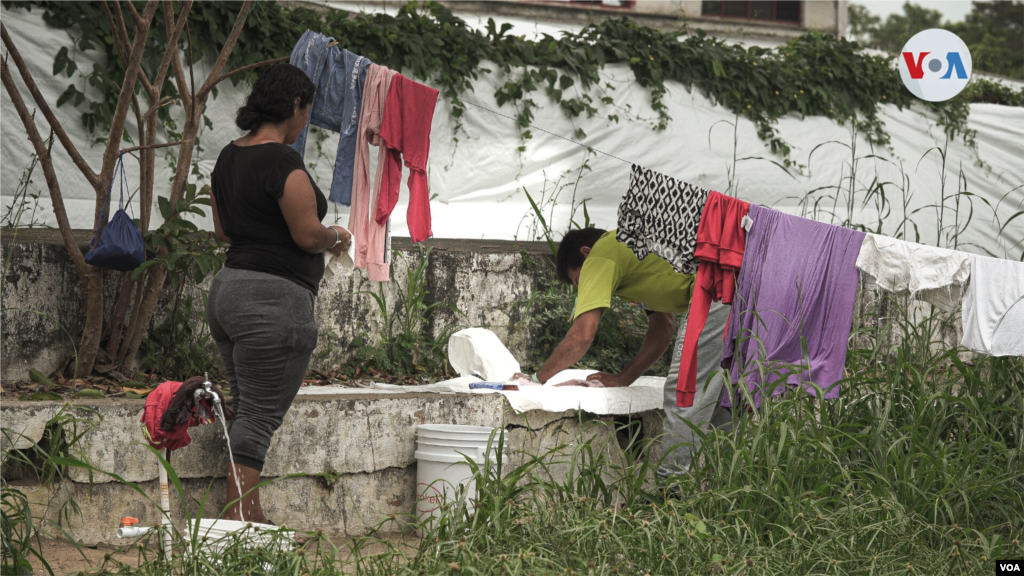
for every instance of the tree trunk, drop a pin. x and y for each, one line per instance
(92, 330)
(115, 329)
(146, 309)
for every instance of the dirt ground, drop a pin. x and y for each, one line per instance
(65, 559)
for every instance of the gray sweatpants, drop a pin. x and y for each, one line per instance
(264, 328)
(706, 410)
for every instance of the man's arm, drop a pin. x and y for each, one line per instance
(575, 344)
(661, 327)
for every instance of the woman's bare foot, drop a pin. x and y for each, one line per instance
(245, 505)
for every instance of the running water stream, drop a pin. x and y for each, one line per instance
(231, 457)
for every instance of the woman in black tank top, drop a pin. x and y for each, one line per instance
(260, 309)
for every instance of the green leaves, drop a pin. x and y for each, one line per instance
(41, 396)
(62, 63)
(71, 94)
(89, 393)
(41, 379)
(189, 255)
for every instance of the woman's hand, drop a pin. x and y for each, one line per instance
(344, 241)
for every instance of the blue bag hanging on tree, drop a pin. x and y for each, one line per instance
(120, 246)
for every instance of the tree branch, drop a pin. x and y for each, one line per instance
(166, 101)
(120, 33)
(121, 46)
(179, 79)
(225, 52)
(173, 34)
(116, 32)
(131, 74)
(153, 146)
(51, 118)
(135, 15)
(46, 161)
(248, 67)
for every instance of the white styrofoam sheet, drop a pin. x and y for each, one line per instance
(645, 394)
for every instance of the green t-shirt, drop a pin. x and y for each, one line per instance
(612, 268)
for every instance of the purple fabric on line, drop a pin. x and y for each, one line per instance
(796, 289)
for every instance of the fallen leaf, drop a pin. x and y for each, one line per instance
(89, 393)
(42, 396)
(39, 378)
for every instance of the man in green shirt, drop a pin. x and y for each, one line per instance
(600, 266)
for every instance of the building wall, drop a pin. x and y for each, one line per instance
(822, 16)
(825, 15)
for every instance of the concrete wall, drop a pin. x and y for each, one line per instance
(478, 283)
(824, 16)
(341, 464)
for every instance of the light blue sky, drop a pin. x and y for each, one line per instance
(952, 10)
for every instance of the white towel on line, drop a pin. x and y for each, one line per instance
(993, 307)
(935, 275)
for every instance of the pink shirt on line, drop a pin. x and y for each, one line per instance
(370, 236)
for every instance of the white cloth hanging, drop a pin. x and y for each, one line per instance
(993, 307)
(935, 275)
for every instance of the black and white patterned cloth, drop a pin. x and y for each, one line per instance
(659, 215)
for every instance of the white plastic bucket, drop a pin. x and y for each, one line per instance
(220, 534)
(442, 473)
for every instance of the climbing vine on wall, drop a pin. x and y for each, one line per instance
(814, 74)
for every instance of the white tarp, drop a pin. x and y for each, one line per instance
(479, 182)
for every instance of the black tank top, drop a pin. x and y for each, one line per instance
(247, 182)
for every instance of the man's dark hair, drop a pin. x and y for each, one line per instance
(272, 98)
(569, 256)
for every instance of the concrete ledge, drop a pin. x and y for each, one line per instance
(363, 442)
(486, 283)
(339, 434)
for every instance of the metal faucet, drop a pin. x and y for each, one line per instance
(207, 390)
